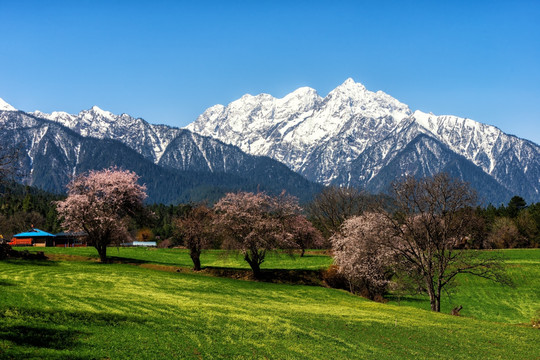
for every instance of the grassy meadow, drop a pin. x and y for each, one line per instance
(77, 308)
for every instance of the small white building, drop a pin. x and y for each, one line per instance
(141, 243)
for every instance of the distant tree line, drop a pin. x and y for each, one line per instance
(515, 225)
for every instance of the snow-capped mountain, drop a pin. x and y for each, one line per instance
(352, 135)
(4, 106)
(176, 164)
(149, 140)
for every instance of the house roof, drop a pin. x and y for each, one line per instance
(32, 234)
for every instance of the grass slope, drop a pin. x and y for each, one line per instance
(87, 310)
(481, 299)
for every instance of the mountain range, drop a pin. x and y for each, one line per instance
(175, 164)
(355, 137)
(350, 137)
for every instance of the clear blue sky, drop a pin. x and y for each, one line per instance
(167, 61)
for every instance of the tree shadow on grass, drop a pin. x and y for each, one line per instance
(33, 328)
(61, 317)
(279, 276)
(4, 282)
(125, 260)
(25, 262)
(41, 337)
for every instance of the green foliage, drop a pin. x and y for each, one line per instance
(163, 215)
(24, 206)
(523, 220)
(86, 310)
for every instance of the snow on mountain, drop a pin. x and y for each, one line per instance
(149, 140)
(322, 138)
(192, 167)
(293, 127)
(4, 106)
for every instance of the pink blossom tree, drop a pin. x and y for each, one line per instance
(195, 229)
(305, 235)
(358, 253)
(98, 203)
(255, 224)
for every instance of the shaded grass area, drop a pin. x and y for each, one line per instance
(278, 267)
(313, 260)
(485, 299)
(91, 310)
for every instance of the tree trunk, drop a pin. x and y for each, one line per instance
(196, 258)
(256, 269)
(435, 306)
(438, 297)
(254, 261)
(102, 251)
(303, 252)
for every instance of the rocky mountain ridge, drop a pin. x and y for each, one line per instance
(176, 164)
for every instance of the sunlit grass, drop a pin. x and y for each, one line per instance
(480, 298)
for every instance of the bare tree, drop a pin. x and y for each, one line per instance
(505, 234)
(332, 206)
(195, 228)
(433, 217)
(99, 203)
(255, 224)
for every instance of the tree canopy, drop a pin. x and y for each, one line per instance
(255, 224)
(99, 204)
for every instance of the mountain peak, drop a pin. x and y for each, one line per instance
(98, 111)
(350, 83)
(4, 106)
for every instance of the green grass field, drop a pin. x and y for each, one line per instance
(88, 310)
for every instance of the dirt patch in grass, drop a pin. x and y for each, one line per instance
(168, 268)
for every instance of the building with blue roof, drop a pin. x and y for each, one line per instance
(40, 238)
(34, 237)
